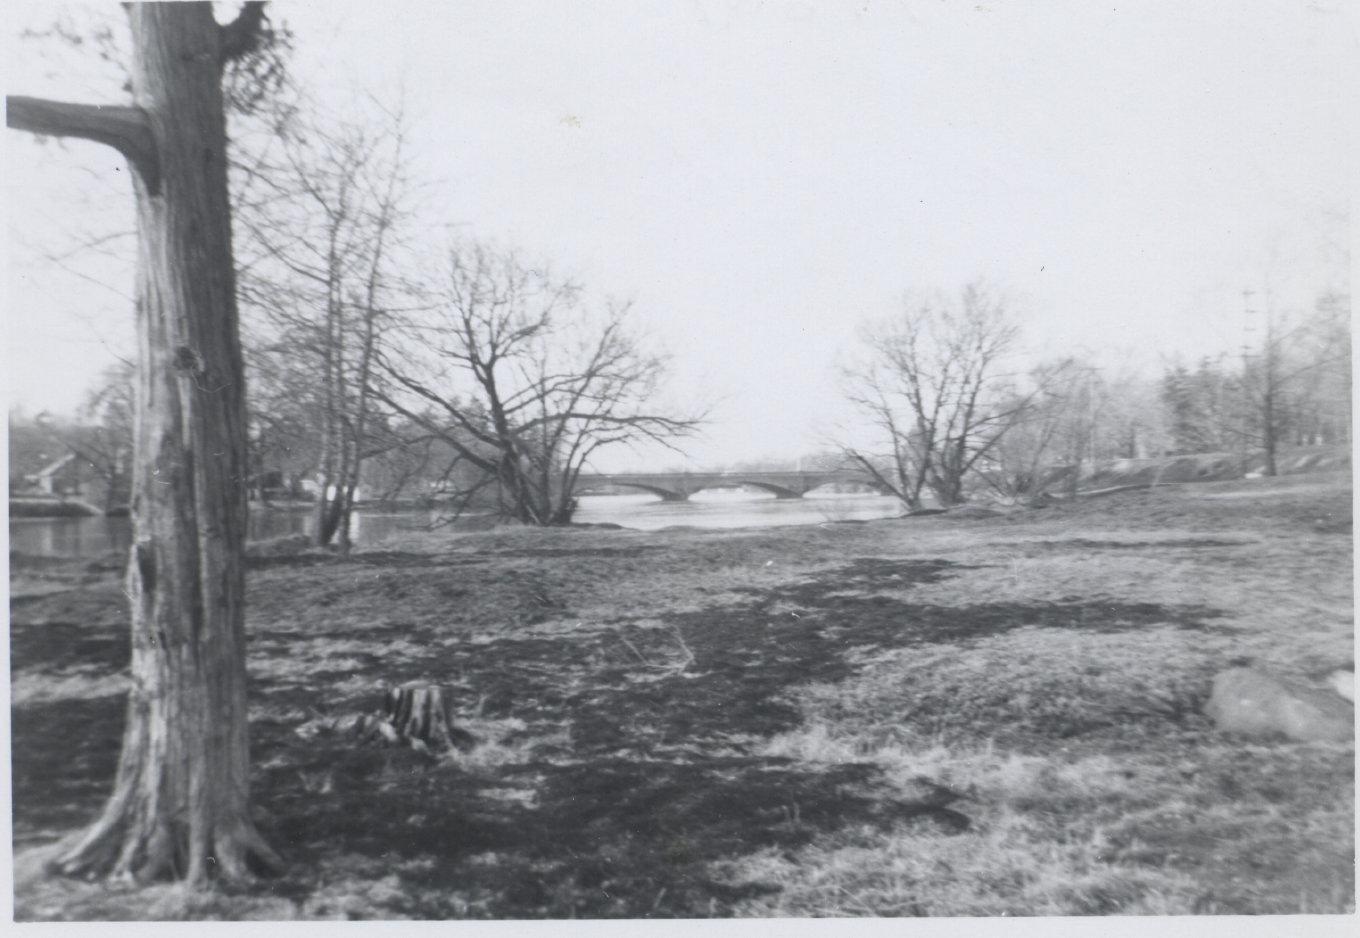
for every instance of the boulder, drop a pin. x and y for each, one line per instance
(1251, 702)
(1343, 682)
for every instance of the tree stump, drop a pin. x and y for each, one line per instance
(421, 715)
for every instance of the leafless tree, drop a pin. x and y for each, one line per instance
(320, 217)
(525, 380)
(930, 386)
(102, 439)
(1051, 435)
(1132, 421)
(180, 802)
(1295, 383)
(1323, 408)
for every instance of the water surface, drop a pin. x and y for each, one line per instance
(85, 537)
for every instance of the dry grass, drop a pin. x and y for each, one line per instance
(688, 723)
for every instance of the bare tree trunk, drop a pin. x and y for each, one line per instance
(1269, 417)
(180, 804)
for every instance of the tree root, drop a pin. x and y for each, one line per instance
(237, 855)
(89, 853)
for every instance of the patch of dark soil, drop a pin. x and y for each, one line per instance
(577, 551)
(111, 562)
(433, 663)
(96, 606)
(56, 646)
(29, 562)
(376, 633)
(605, 837)
(723, 671)
(63, 755)
(64, 574)
(1082, 543)
(400, 558)
(881, 572)
(310, 558)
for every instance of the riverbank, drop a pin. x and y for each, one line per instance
(35, 506)
(707, 722)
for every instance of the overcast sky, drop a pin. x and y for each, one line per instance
(759, 177)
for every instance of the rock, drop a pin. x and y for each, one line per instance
(1343, 682)
(1253, 703)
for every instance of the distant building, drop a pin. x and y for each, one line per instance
(60, 477)
(44, 466)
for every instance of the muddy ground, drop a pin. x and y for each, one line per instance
(698, 723)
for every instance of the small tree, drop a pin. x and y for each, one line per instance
(1323, 394)
(103, 439)
(1299, 372)
(524, 381)
(1204, 406)
(1051, 435)
(930, 388)
(414, 463)
(1132, 421)
(320, 215)
(180, 803)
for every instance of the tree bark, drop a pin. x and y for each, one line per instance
(180, 804)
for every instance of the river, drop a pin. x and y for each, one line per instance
(84, 537)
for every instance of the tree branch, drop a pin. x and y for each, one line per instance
(242, 35)
(126, 129)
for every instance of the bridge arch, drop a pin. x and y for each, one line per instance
(667, 495)
(778, 491)
(679, 486)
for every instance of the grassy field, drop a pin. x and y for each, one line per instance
(754, 723)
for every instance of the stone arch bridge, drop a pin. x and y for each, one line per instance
(679, 486)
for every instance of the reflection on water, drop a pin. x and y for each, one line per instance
(722, 509)
(84, 537)
(78, 537)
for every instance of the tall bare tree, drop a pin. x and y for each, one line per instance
(930, 386)
(180, 803)
(525, 380)
(1323, 398)
(321, 215)
(1298, 379)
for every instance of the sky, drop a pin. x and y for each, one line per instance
(759, 178)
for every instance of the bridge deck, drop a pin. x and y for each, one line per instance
(680, 485)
